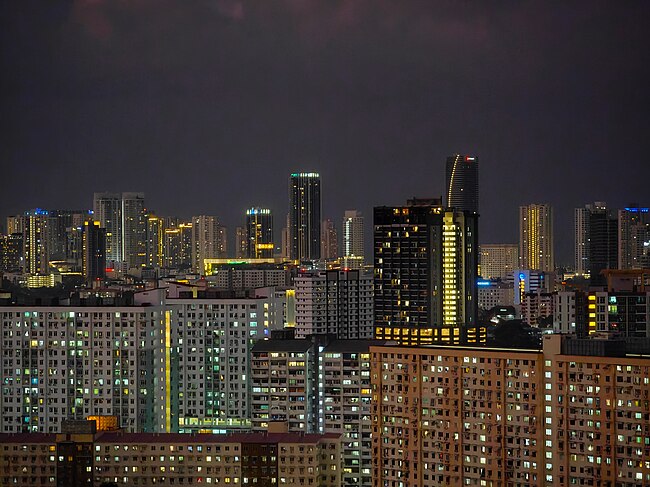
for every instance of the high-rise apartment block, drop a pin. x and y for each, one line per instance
(426, 264)
(462, 183)
(469, 416)
(497, 261)
(107, 209)
(74, 361)
(634, 238)
(304, 216)
(155, 241)
(178, 246)
(212, 340)
(259, 233)
(329, 249)
(208, 240)
(283, 381)
(353, 240)
(134, 230)
(536, 237)
(334, 302)
(35, 241)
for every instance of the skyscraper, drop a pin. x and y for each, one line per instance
(426, 268)
(94, 251)
(462, 183)
(107, 208)
(603, 242)
(155, 241)
(353, 240)
(536, 237)
(259, 233)
(134, 230)
(304, 216)
(208, 240)
(329, 249)
(634, 238)
(35, 241)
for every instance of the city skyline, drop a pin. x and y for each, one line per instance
(549, 98)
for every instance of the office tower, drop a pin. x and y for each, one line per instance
(74, 246)
(107, 209)
(353, 240)
(81, 457)
(35, 242)
(134, 230)
(498, 260)
(73, 361)
(259, 233)
(241, 244)
(94, 251)
(462, 183)
(508, 417)
(208, 240)
(304, 216)
(155, 241)
(329, 249)
(426, 261)
(338, 303)
(634, 238)
(11, 258)
(603, 242)
(15, 224)
(536, 237)
(212, 339)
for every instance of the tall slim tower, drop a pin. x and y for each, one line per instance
(304, 216)
(35, 242)
(134, 230)
(94, 251)
(426, 268)
(353, 240)
(462, 183)
(536, 237)
(155, 241)
(107, 208)
(259, 233)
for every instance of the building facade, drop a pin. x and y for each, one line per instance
(469, 416)
(462, 183)
(259, 233)
(353, 240)
(304, 226)
(334, 302)
(107, 209)
(536, 248)
(426, 268)
(634, 238)
(497, 261)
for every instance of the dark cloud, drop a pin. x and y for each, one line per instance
(208, 105)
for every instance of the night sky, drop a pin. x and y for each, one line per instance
(208, 105)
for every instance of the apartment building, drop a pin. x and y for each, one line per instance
(146, 459)
(564, 415)
(72, 361)
(344, 395)
(212, 341)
